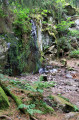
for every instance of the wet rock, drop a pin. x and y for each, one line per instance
(70, 10)
(3, 53)
(41, 70)
(53, 71)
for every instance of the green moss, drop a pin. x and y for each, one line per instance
(14, 97)
(4, 103)
(48, 109)
(37, 99)
(38, 17)
(63, 104)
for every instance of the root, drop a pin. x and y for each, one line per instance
(5, 117)
(14, 97)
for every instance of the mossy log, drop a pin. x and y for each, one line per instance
(63, 104)
(14, 97)
(4, 102)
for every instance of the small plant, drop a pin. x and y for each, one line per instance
(74, 54)
(76, 109)
(63, 26)
(74, 33)
(1, 12)
(22, 21)
(30, 108)
(41, 85)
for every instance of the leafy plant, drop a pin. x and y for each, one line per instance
(74, 54)
(30, 108)
(22, 21)
(76, 108)
(1, 12)
(64, 25)
(74, 33)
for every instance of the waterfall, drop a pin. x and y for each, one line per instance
(33, 31)
(40, 36)
(41, 39)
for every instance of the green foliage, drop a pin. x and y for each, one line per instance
(63, 45)
(64, 25)
(64, 98)
(76, 109)
(22, 21)
(4, 102)
(74, 54)
(30, 108)
(1, 12)
(74, 33)
(41, 85)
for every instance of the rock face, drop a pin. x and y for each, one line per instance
(70, 10)
(4, 103)
(3, 53)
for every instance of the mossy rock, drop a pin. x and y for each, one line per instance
(4, 103)
(63, 104)
(70, 10)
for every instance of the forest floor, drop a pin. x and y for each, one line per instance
(66, 79)
(67, 84)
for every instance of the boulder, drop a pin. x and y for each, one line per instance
(72, 115)
(70, 10)
(63, 104)
(4, 103)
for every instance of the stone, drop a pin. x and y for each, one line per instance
(53, 71)
(4, 102)
(3, 53)
(68, 76)
(70, 10)
(41, 70)
(72, 115)
(63, 104)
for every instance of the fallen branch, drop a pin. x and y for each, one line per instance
(4, 116)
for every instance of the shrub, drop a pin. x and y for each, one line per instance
(74, 54)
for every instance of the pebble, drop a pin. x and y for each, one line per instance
(68, 76)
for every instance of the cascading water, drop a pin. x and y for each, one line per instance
(40, 36)
(35, 55)
(43, 39)
(33, 31)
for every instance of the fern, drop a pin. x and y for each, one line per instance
(30, 108)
